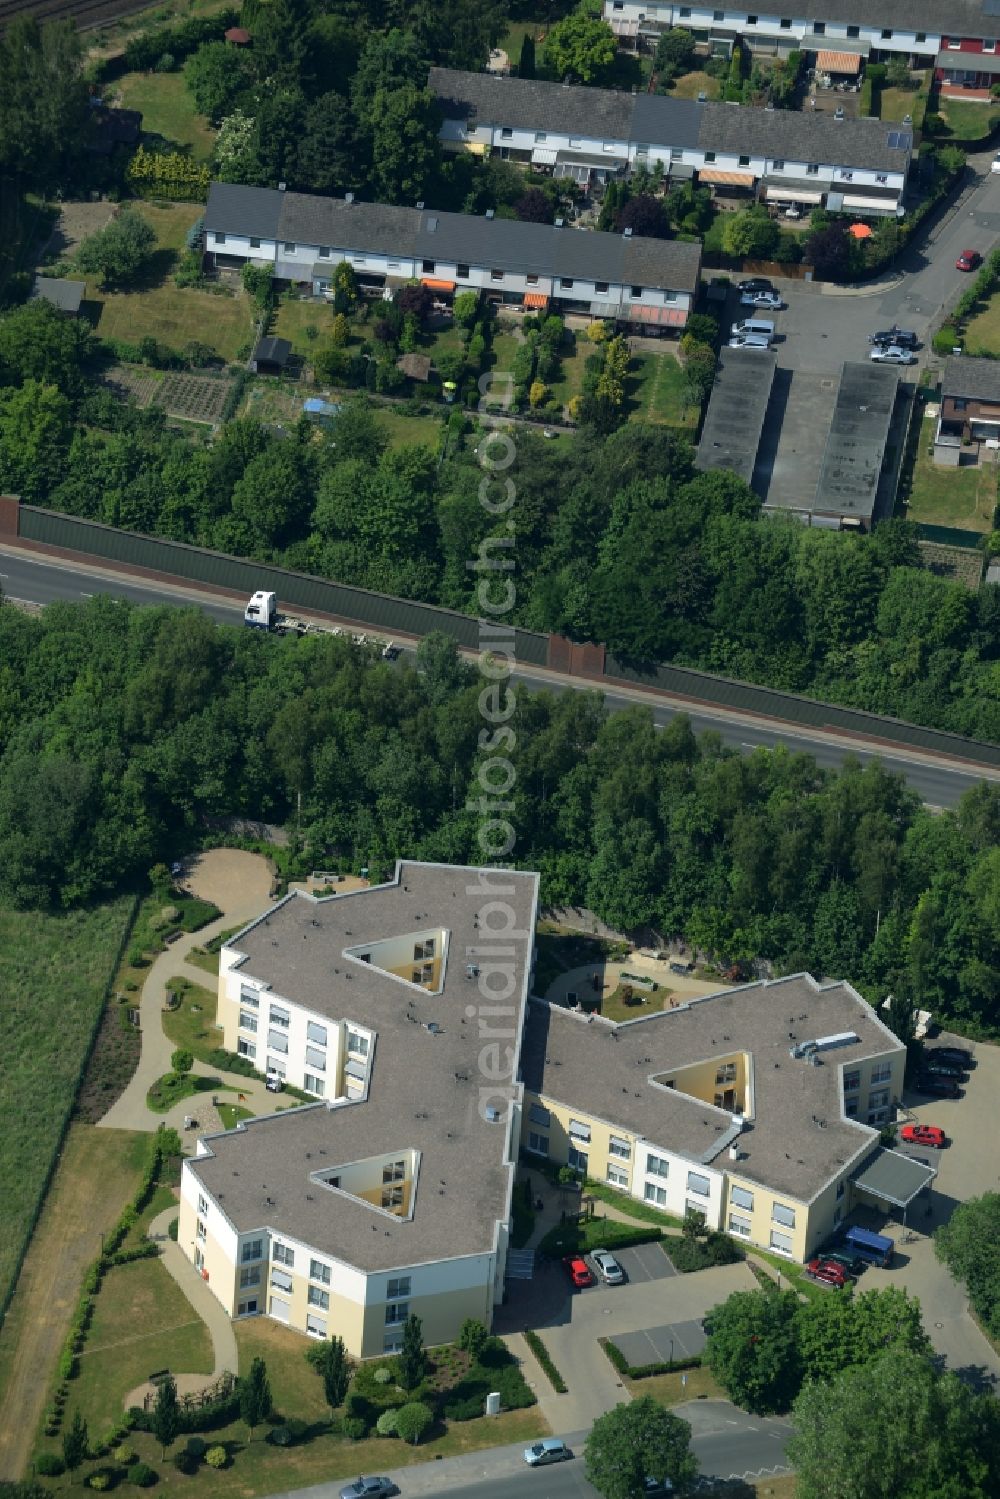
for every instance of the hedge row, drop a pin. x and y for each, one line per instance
(541, 1353)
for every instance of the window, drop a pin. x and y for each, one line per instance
(315, 1326)
(642, 150)
(248, 1022)
(537, 1144)
(280, 1309)
(840, 1190)
(314, 1084)
(319, 1271)
(812, 171)
(685, 11)
(281, 1280)
(751, 20)
(289, 248)
(566, 282)
(397, 1288)
(254, 242)
(726, 1073)
(531, 279)
(781, 1214)
(780, 1243)
(845, 175)
(496, 275)
(881, 177)
(600, 286)
(959, 403)
(392, 265)
(695, 1207)
(250, 1277)
(357, 1043)
(618, 1176)
(657, 1166)
(608, 148)
(854, 31)
(786, 24)
(319, 1298)
(428, 267)
(851, 1108)
(577, 1160)
(882, 1072)
(247, 1308)
(315, 1058)
(670, 296)
(577, 1130)
(316, 1033)
(878, 1099)
(541, 135)
(699, 1184)
(252, 1250)
(200, 1229)
(718, 15)
(202, 1205)
(619, 1147)
(324, 252)
(887, 35)
(283, 1254)
(921, 36)
(709, 157)
(635, 292)
(739, 1225)
(744, 161)
(954, 45)
(655, 1194)
(819, 28)
(462, 272)
(397, 1313)
(394, 1172)
(278, 1017)
(249, 997)
(506, 133)
(246, 1048)
(838, 1215)
(277, 1064)
(575, 143)
(277, 1042)
(539, 1115)
(220, 239)
(392, 1342)
(878, 1117)
(852, 1082)
(741, 1198)
(392, 1197)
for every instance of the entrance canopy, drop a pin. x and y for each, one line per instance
(894, 1177)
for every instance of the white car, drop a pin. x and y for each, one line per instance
(892, 354)
(608, 1267)
(995, 163)
(548, 1450)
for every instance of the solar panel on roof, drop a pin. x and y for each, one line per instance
(899, 140)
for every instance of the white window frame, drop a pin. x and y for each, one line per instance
(657, 1165)
(654, 1194)
(619, 1147)
(740, 1197)
(246, 1049)
(739, 1225)
(283, 1255)
(319, 1298)
(694, 1184)
(280, 1017)
(316, 1033)
(315, 1326)
(281, 1280)
(783, 1214)
(314, 1085)
(319, 1271)
(617, 1176)
(781, 1243)
(248, 1022)
(396, 1313)
(398, 1289)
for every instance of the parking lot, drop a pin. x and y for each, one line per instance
(644, 1262)
(661, 1345)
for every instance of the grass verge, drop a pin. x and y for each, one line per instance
(594, 1233)
(192, 1024)
(168, 110)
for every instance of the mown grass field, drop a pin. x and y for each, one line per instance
(656, 391)
(53, 972)
(168, 110)
(962, 497)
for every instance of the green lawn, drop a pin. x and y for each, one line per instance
(692, 84)
(572, 367)
(404, 430)
(962, 497)
(53, 974)
(232, 1113)
(982, 332)
(168, 110)
(656, 391)
(192, 1025)
(142, 1323)
(207, 960)
(294, 317)
(896, 103)
(613, 1006)
(968, 120)
(590, 1234)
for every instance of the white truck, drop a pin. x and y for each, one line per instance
(262, 613)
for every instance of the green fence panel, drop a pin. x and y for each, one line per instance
(950, 536)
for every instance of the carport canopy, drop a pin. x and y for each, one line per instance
(894, 1177)
(838, 62)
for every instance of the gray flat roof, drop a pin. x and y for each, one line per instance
(855, 447)
(424, 1090)
(66, 295)
(894, 1177)
(735, 417)
(970, 379)
(658, 120)
(960, 62)
(798, 1138)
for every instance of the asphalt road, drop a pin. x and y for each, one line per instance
(938, 783)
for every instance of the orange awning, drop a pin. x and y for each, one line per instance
(838, 62)
(726, 179)
(438, 285)
(535, 299)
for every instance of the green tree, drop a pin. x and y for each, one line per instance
(412, 1420)
(38, 343)
(118, 252)
(580, 47)
(752, 1349)
(898, 73)
(255, 1396)
(181, 1061)
(969, 1244)
(326, 160)
(750, 233)
(412, 1358)
(637, 1441)
(166, 1412)
(404, 135)
(675, 51)
(336, 1372)
(75, 1442)
(217, 77)
(35, 434)
(472, 1335)
(44, 111)
(526, 61)
(837, 1332)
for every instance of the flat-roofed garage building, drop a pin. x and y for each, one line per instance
(734, 421)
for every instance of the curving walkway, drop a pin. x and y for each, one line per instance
(204, 1305)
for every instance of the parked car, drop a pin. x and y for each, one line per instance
(654, 1487)
(951, 1054)
(827, 1273)
(968, 260)
(607, 1267)
(368, 1488)
(749, 341)
(770, 299)
(850, 1263)
(578, 1271)
(273, 1081)
(548, 1450)
(923, 1134)
(754, 283)
(891, 354)
(995, 163)
(390, 651)
(901, 337)
(934, 1066)
(937, 1087)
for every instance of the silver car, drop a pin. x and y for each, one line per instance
(368, 1488)
(548, 1450)
(891, 354)
(608, 1267)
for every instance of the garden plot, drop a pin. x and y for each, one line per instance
(196, 398)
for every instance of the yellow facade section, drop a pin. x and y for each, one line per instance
(441, 1315)
(761, 1217)
(208, 1257)
(597, 1150)
(723, 1081)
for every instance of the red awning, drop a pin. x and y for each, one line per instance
(662, 317)
(838, 62)
(438, 285)
(535, 299)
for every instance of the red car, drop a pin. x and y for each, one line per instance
(923, 1134)
(968, 260)
(827, 1272)
(578, 1270)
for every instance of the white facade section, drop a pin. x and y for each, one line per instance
(768, 28)
(649, 1181)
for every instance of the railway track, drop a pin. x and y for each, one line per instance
(86, 13)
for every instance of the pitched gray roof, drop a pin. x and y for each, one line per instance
(784, 1146)
(656, 120)
(952, 17)
(505, 244)
(971, 379)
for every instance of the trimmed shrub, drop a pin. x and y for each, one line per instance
(185, 1463)
(49, 1465)
(217, 1457)
(196, 1446)
(354, 1428)
(382, 1375)
(125, 1455)
(142, 1475)
(413, 1420)
(386, 1424)
(100, 1479)
(541, 1353)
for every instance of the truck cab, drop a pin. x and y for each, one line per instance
(260, 610)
